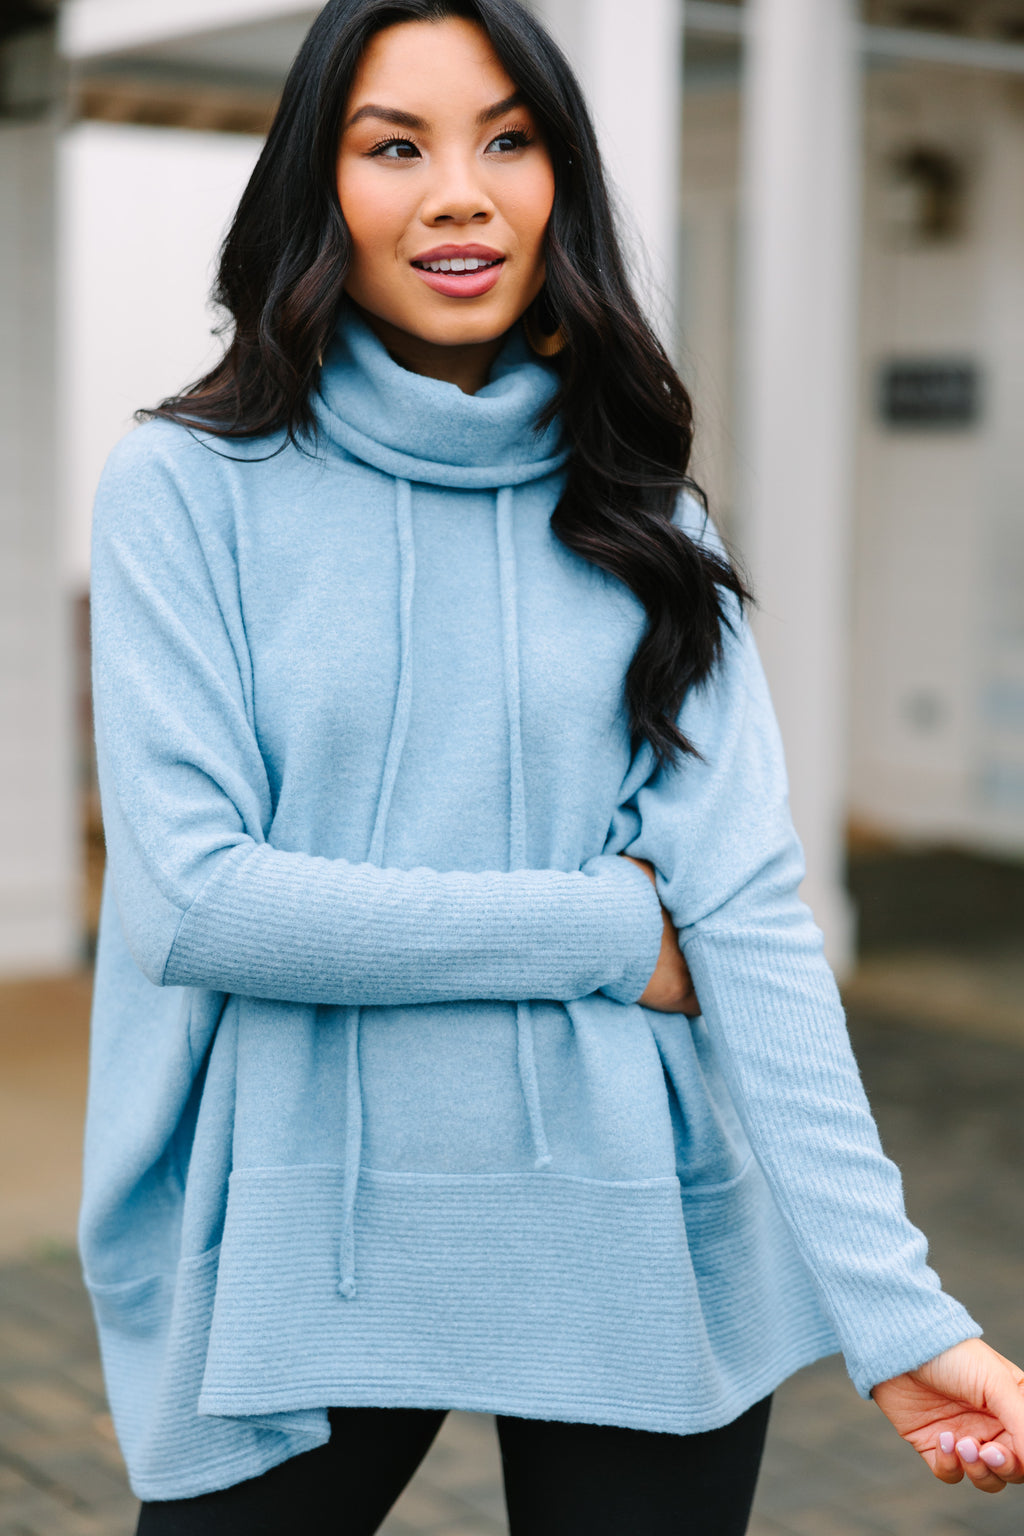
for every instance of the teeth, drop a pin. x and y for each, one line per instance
(457, 264)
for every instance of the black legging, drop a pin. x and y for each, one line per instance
(560, 1480)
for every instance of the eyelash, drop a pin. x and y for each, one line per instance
(519, 135)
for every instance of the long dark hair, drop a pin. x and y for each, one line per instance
(626, 415)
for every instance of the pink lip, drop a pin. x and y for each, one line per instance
(446, 252)
(461, 285)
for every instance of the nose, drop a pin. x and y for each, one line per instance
(456, 194)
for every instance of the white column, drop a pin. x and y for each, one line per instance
(797, 386)
(39, 838)
(630, 63)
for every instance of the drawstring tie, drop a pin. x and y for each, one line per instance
(392, 759)
(525, 1052)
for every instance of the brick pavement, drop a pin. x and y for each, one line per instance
(950, 1113)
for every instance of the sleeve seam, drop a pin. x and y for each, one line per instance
(185, 912)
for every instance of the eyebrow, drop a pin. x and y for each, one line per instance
(400, 119)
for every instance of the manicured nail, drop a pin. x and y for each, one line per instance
(946, 1442)
(967, 1451)
(992, 1456)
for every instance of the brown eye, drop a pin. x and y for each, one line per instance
(509, 141)
(395, 149)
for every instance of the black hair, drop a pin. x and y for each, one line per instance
(626, 416)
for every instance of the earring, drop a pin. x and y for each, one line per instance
(545, 344)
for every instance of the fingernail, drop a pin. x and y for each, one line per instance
(946, 1442)
(992, 1456)
(967, 1451)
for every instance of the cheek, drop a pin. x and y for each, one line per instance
(373, 212)
(528, 209)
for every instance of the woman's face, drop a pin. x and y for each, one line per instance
(441, 166)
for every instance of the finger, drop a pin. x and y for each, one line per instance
(1000, 1459)
(1004, 1400)
(980, 1474)
(944, 1461)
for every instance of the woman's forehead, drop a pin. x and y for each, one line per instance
(431, 70)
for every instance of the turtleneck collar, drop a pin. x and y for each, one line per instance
(430, 432)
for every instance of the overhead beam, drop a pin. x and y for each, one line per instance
(91, 28)
(914, 47)
(706, 18)
(710, 20)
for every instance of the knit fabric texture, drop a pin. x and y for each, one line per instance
(375, 1117)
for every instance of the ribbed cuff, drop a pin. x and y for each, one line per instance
(639, 938)
(305, 929)
(917, 1333)
(774, 1014)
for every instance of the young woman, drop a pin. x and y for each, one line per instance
(427, 717)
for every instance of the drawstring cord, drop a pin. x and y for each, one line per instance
(393, 757)
(526, 1054)
(353, 1157)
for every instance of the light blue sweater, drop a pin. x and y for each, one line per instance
(374, 1115)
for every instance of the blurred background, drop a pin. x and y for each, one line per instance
(824, 202)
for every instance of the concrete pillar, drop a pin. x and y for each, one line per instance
(797, 388)
(994, 520)
(630, 64)
(39, 835)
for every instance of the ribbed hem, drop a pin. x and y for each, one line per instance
(540, 1295)
(773, 1011)
(307, 929)
(153, 1336)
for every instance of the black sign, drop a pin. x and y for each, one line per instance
(932, 393)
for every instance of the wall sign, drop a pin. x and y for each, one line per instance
(933, 392)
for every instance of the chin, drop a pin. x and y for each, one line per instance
(463, 331)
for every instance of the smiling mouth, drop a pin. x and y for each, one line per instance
(458, 264)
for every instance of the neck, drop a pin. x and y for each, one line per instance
(467, 367)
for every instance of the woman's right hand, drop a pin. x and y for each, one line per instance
(964, 1413)
(670, 989)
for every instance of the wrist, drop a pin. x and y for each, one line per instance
(640, 926)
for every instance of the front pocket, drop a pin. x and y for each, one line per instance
(136, 1309)
(711, 1149)
(153, 1338)
(141, 1307)
(475, 1290)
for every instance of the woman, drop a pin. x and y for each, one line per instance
(419, 681)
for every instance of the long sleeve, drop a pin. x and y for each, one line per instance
(204, 897)
(729, 865)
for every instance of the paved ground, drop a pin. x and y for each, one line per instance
(950, 1110)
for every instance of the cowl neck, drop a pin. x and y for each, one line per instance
(430, 432)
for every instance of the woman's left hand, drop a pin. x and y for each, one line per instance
(964, 1413)
(670, 989)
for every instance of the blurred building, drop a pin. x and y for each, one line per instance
(40, 923)
(825, 202)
